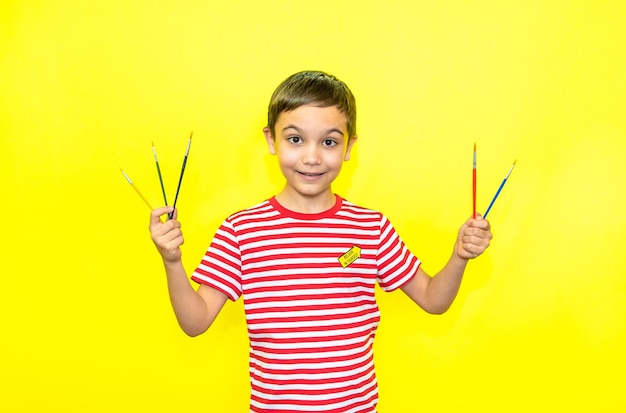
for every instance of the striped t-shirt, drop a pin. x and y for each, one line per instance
(307, 282)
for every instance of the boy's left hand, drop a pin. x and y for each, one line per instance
(474, 238)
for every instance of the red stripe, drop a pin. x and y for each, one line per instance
(301, 340)
(304, 319)
(317, 296)
(288, 381)
(313, 307)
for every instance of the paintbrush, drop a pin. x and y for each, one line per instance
(182, 171)
(474, 184)
(500, 188)
(136, 189)
(156, 160)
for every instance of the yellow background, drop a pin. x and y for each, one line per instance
(85, 87)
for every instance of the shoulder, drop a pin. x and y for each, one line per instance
(353, 210)
(256, 213)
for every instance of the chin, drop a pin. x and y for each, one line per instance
(310, 190)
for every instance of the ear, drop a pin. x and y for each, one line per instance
(351, 143)
(270, 140)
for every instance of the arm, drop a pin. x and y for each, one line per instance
(194, 310)
(436, 294)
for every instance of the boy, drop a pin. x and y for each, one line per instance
(306, 262)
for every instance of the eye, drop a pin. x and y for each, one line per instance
(294, 139)
(329, 142)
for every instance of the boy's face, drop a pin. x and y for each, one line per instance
(311, 143)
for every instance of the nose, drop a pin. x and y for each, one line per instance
(311, 154)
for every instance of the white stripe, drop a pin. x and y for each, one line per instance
(219, 285)
(323, 386)
(311, 313)
(402, 280)
(327, 302)
(334, 394)
(312, 345)
(226, 246)
(204, 266)
(299, 271)
(320, 408)
(332, 261)
(315, 323)
(268, 243)
(365, 330)
(346, 365)
(353, 214)
(239, 221)
(401, 270)
(258, 221)
(297, 293)
(320, 248)
(304, 230)
(250, 213)
(347, 272)
(321, 374)
(390, 241)
(296, 356)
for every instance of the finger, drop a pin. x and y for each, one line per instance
(467, 250)
(172, 234)
(166, 231)
(473, 250)
(478, 228)
(476, 240)
(157, 213)
(473, 231)
(479, 220)
(169, 242)
(176, 242)
(479, 234)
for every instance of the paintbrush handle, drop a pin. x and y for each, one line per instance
(474, 184)
(180, 180)
(494, 198)
(500, 188)
(161, 181)
(474, 193)
(182, 172)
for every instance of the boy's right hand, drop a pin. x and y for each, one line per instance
(166, 235)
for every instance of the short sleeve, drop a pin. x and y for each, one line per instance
(220, 267)
(396, 264)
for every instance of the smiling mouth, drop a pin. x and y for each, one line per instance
(311, 174)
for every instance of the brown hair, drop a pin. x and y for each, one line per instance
(312, 88)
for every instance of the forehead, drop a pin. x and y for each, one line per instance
(311, 117)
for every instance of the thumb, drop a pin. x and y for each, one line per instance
(157, 213)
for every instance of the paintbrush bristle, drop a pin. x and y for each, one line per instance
(125, 176)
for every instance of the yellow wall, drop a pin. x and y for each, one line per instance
(540, 323)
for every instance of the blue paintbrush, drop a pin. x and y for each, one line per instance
(499, 189)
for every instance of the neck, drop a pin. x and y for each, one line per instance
(305, 204)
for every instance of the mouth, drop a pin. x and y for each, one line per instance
(311, 173)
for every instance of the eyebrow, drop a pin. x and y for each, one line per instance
(325, 132)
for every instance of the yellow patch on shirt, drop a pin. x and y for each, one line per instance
(350, 256)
